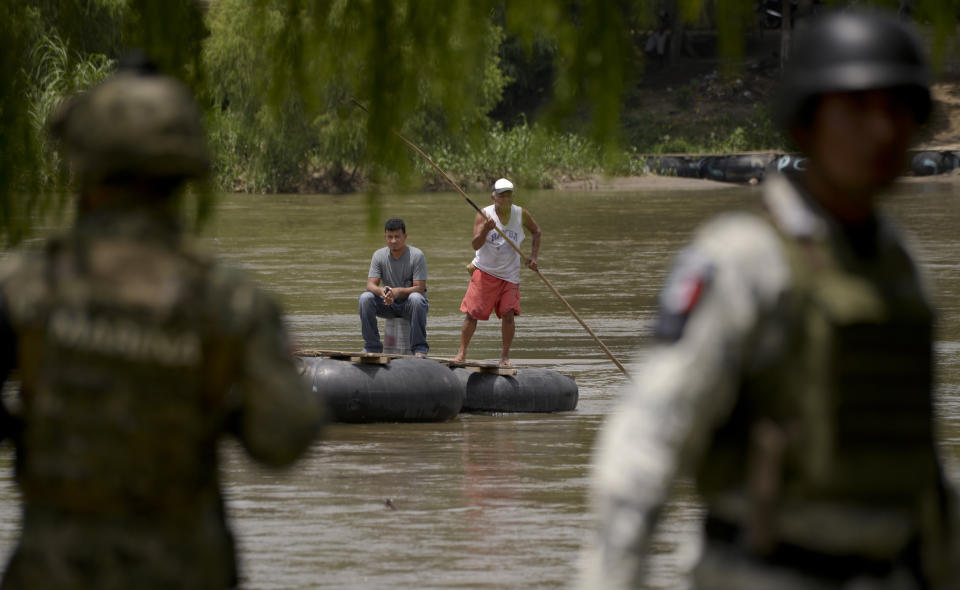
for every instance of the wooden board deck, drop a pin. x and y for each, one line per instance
(477, 366)
(354, 357)
(381, 358)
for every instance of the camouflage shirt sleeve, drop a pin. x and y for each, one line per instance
(278, 415)
(712, 311)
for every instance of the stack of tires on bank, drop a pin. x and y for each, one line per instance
(422, 390)
(752, 168)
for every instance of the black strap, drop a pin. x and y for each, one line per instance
(9, 425)
(8, 343)
(812, 562)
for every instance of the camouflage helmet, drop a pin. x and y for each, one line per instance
(849, 51)
(133, 125)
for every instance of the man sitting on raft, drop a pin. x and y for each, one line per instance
(495, 281)
(402, 270)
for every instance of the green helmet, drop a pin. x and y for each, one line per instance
(133, 125)
(851, 51)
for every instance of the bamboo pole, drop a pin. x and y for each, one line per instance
(549, 285)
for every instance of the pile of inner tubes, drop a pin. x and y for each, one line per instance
(930, 163)
(751, 168)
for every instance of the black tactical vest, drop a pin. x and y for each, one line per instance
(123, 359)
(850, 394)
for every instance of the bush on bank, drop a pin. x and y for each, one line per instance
(264, 149)
(537, 157)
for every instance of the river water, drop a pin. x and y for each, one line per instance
(484, 501)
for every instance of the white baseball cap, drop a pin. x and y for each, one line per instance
(501, 186)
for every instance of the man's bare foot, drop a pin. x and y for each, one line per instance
(459, 358)
(505, 363)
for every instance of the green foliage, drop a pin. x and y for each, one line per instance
(397, 57)
(277, 77)
(595, 56)
(257, 145)
(283, 75)
(684, 96)
(530, 72)
(57, 73)
(87, 27)
(943, 16)
(170, 32)
(726, 133)
(734, 17)
(52, 48)
(532, 155)
(32, 179)
(18, 148)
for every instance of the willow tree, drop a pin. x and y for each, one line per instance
(52, 48)
(280, 96)
(421, 63)
(400, 57)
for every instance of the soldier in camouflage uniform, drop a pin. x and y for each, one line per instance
(136, 351)
(793, 373)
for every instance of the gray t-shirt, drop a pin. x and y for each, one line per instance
(398, 272)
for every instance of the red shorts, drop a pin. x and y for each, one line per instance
(487, 292)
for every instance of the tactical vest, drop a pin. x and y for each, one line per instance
(123, 363)
(849, 394)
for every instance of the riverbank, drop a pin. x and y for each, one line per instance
(646, 182)
(724, 133)
(654, 182)
(689, 111)
(694, 109)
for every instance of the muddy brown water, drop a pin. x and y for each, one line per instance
(484, 501)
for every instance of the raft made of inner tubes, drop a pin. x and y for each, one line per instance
(403, 390)
(530, 390)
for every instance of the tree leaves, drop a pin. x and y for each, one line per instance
(276, 75)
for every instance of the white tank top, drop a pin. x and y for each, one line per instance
(496, 256)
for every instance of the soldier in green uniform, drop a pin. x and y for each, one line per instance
(793, 374)
(136, 351)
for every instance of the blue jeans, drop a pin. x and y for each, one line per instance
(413, 308)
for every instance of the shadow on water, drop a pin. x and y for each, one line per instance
(484, 501)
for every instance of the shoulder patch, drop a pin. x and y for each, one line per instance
(688, 281)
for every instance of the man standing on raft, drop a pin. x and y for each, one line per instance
(495, 282)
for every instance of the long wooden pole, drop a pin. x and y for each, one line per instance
(509, 241)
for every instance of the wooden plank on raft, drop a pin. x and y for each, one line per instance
(384, 358)
(354, 357)
(478, 366)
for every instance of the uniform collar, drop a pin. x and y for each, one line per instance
(794, 213)
(128, 222)
(797, 214)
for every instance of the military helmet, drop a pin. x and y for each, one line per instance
(135, 124)
(850, 51)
